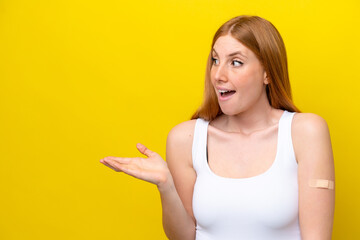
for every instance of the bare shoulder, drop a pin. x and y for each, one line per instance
(308, 122)
(180, 138)
(309, 130)
(182, 132)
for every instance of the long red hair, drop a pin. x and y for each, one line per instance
(264, 40)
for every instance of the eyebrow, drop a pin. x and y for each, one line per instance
(232, 54)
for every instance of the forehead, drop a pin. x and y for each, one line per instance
(227, 44)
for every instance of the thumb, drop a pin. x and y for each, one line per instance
(144, 150)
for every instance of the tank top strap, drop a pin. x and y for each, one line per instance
(286, 149)
(199, 143)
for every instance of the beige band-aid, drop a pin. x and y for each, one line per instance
(321, 183)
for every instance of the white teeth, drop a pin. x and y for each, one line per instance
(223, 91)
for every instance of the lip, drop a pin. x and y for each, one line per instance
(226, 89)
(223, 98)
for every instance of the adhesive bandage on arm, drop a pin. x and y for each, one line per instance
(321, 183)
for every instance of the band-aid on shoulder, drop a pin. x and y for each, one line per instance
(321, 183)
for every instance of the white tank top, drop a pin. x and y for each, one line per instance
(263, 207)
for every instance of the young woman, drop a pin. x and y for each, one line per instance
(248, 165)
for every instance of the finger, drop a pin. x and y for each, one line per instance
(144, 150)
(130, 170)
(106, 164)
(134, 172)
(119, 159)
(111, 165)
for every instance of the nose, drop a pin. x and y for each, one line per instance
(220, 73)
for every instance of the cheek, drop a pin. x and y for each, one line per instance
(249, 87)
(244, 81)
(212, 81)
(249, 79)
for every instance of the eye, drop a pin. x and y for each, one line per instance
(213, 60)
(237, 63)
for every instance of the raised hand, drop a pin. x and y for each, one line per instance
(152, 169)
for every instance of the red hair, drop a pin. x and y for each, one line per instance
(264, 40)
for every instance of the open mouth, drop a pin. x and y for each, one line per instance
(225, 93)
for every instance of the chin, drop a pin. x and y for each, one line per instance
(231, 109)
(229, 112)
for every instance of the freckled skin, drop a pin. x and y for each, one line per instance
(244, 74)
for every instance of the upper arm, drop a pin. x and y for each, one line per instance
(313, 151)
(179, 160)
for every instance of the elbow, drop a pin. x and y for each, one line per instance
(188, 234)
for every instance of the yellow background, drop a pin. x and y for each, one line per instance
(81, 80)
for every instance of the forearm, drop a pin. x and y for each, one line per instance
(177, 223)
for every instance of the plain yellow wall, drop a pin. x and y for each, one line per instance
(81, 80)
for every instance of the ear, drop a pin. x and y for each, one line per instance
(266, 80)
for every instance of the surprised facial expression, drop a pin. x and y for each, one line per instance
(237, 75)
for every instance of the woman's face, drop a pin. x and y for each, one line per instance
(237, 76)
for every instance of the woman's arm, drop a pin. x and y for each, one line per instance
(178, 220)
(313, 151)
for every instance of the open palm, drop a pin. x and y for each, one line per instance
(152, 169)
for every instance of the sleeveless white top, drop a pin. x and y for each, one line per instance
(263, 207)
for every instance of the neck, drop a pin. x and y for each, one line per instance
(256, 118)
